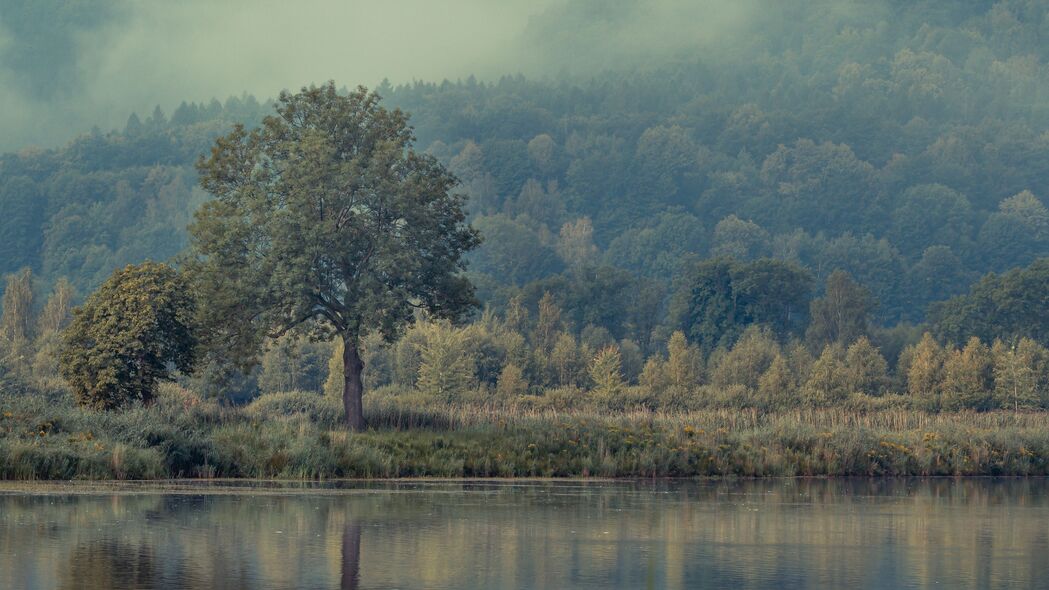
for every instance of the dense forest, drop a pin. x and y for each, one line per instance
(849, 208)
(909, 156)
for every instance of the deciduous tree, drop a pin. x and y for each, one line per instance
(968, 377)
(606, 372)
(326, 220)
(128, 335)
(842, 315)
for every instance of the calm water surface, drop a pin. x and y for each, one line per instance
(982, 533)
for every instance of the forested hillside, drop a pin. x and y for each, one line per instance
(906, 143)
(674, 239)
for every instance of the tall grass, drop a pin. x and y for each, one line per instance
(298, 435)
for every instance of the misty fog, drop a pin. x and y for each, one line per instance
(94, 66)
(139, 54)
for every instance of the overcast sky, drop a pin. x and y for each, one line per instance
(148, 52)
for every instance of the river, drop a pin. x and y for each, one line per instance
(793, 533)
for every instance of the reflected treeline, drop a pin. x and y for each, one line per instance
(747, 534)
(109, 563)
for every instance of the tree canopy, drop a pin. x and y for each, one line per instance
(325, 220)
(1008, 306)
(128, 335)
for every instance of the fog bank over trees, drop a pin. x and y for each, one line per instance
(68, 66)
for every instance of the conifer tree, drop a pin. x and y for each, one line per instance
(747, 361)
(654, 376)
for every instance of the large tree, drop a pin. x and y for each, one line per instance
(326, 221)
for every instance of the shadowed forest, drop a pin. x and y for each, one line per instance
(815, 242)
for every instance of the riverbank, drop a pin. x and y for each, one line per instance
(297, 436)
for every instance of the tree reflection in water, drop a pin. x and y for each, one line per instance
(545, 535)
(110, 564)
(351, 556)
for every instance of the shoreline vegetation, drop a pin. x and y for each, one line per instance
(300, 436)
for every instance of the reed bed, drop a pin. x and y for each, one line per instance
(298, 436)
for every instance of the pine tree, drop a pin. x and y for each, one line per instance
(799, 360)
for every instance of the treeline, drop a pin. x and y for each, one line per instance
(110, 199)
(834, 181)
(539, 356)
(903, 143)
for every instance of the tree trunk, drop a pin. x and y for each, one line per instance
(353, 387)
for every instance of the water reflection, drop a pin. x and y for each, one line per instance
(751, 534)
(351, 556)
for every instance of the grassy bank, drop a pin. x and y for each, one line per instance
(297, 435)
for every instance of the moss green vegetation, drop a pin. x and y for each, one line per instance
(298, 435)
